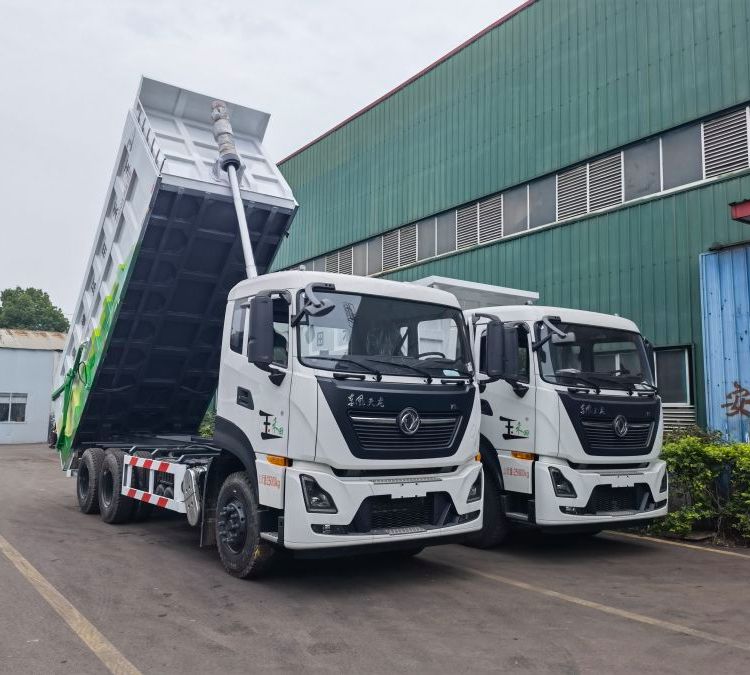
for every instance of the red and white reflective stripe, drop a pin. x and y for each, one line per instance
(156, 500)
(153, 464)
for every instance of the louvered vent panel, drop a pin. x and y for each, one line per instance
(490, 218)
(605, 182)
(332, 262)
(678, 416)
(390, 250)
(345, 261)
(466, 226)
(407, 253)
(571, 193)
(725, 143)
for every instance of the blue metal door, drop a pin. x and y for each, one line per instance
(725, 302)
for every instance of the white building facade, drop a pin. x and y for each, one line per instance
(28, 360)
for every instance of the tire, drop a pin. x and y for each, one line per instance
(114, 507)
(141, 510)
(495, 526)
(87, 480)
(243, 553)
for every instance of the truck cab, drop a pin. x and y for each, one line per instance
(571, 421)
(351, 403)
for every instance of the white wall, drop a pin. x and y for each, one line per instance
(28, 372)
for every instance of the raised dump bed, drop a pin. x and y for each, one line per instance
(142, 354)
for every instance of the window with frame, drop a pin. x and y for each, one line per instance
(642, 169)
(13, 407)
(237, 330)
(280, 331)
(673, 379)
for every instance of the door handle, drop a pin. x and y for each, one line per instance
(245, 398)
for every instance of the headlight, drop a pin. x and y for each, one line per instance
(317, 500)
(563, 487)
(475, 493)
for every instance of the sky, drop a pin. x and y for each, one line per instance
(70, 71)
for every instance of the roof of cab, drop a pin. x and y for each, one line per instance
(567, 315)
(299, 279)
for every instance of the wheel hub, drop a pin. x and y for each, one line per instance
(232, 524)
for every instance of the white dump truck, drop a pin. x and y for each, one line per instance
(571, 421)
(339, 426)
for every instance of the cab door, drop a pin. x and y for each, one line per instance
(256, 399)
(508, 413)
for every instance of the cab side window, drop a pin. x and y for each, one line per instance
(237, 331)
(523, 354)
(280, 331)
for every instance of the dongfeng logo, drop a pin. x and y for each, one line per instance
(620, 425)
(408, 421)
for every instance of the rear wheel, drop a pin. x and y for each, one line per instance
(243, 553)
(114, 506)
(495, 526)
(87, 480)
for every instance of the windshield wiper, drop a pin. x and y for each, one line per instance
(344, 359)
(447, 362)
(571, 376)
(616, 381)
(419, 371)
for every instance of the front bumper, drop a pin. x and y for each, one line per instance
(615, 488)
(349, 494)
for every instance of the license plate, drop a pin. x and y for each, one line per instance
(405, 490)
(622, 481)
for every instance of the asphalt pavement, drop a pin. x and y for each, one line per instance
(80, 596)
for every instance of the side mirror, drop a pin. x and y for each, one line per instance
(502, 351)
(260, 332)
(495, 346)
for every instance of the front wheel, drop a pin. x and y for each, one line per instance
(243, 553)
(495, 526)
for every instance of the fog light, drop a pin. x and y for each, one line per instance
(475, 493)
(317, 500)
(563, 487)
(664, 483)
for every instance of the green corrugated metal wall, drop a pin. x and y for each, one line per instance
(559, 82)
(640, 262)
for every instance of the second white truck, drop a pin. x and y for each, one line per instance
(571, 425)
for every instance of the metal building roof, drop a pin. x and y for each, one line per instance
(42, 340)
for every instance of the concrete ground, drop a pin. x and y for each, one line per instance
(609, 604)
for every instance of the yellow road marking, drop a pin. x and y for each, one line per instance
(682, 544)
(82, 627)
(622, 613)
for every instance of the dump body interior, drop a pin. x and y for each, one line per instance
(151, 310)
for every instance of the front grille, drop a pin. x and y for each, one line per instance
(608, 499)
(387, 513)
(602, 439)
(381, 432)
(383, 514)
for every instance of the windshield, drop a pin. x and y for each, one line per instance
(593, 356)
(372, 334)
